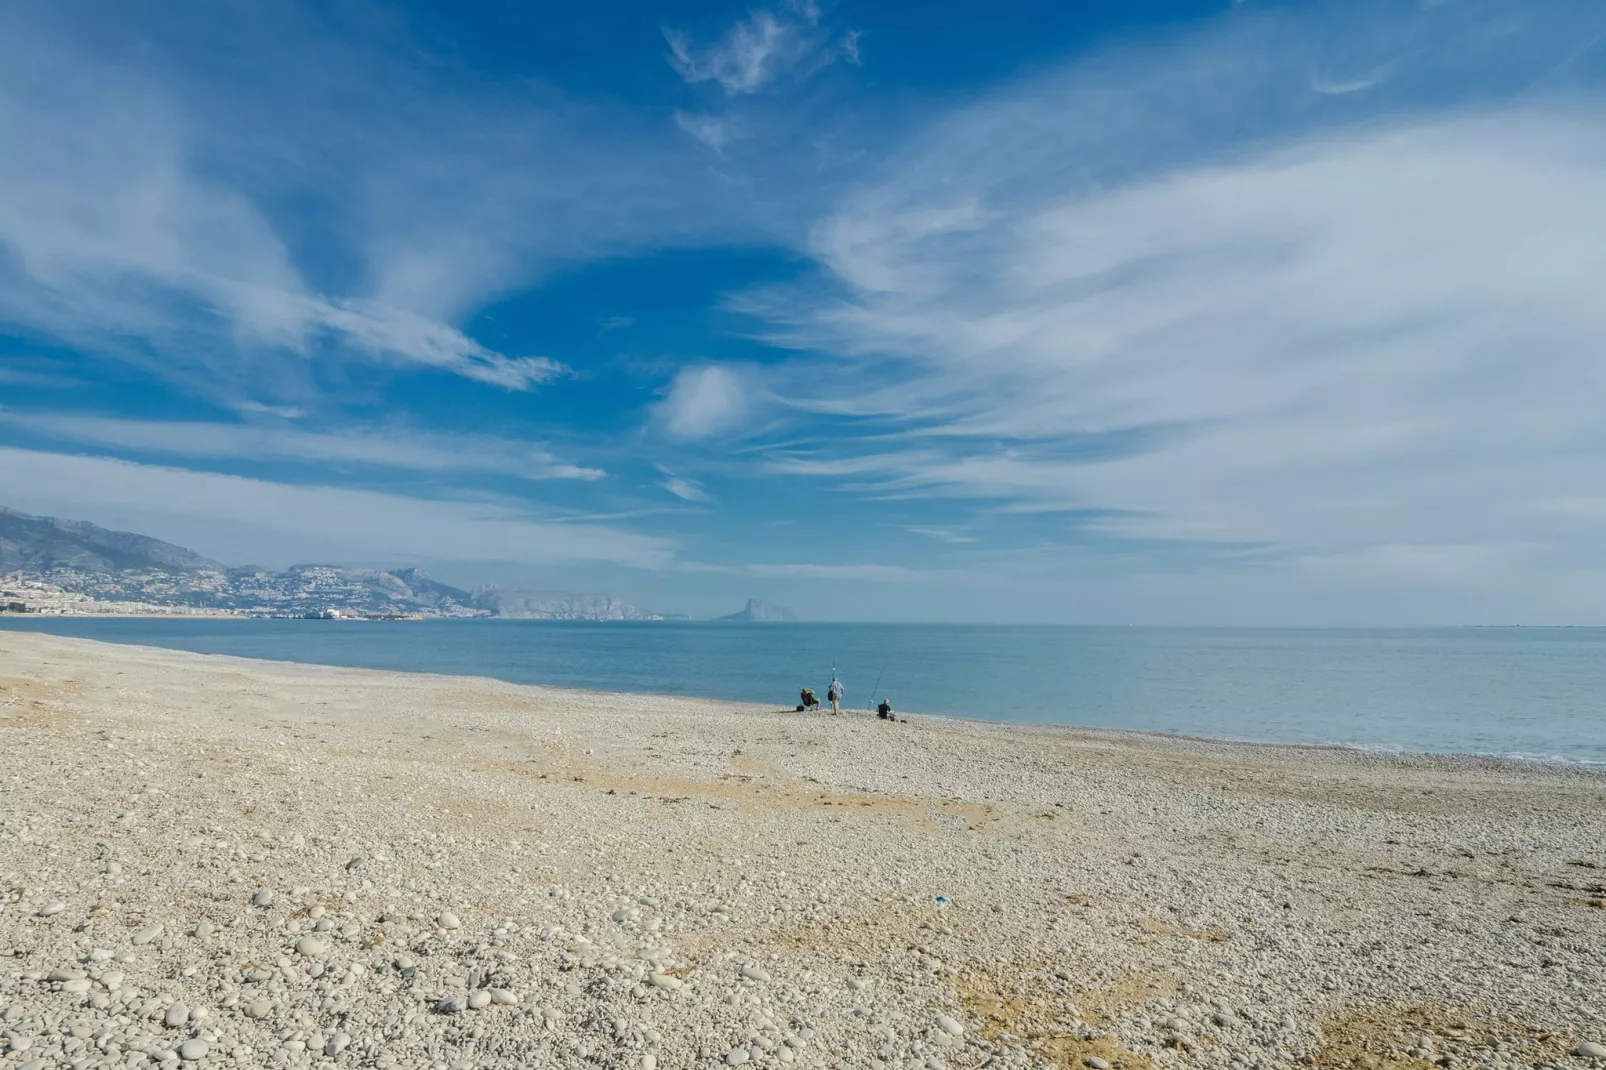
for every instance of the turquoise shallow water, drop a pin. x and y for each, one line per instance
(1520, 692)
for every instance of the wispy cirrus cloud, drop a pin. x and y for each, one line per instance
(943, 535)
(759, 49)
(770, 45)
(141, 197)
(687, 490)
(712, 130)
(394, 448)
(1345, 332)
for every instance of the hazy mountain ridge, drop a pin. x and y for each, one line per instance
(556, 605)
(120, 566)
(41, 543)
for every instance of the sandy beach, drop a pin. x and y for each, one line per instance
(226, 862)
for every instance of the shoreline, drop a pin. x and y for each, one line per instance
(316, 867)
(1560, 762)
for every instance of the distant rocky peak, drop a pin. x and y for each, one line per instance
(759, 610)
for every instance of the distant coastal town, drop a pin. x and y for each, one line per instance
(19, 594)
(59, 567)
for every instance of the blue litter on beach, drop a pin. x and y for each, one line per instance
(942, 899)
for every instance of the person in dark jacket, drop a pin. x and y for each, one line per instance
(884, 711)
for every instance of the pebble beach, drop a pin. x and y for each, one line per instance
(216, 862)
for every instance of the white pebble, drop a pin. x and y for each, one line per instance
(649, 1061)
(262, 898)
(193, 1049)
(950, 1026)
(755, 973)
(448, 920)
(737, 1056)
(502, 997)
(479, 1000)
(178, 1014)
(147, 934)
(309, 947)
(55, 906)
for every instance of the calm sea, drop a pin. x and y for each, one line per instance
(1529, 692)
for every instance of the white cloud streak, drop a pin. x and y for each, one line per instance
(385, 448)
(873, 573)
(685, 489)
(239, 520)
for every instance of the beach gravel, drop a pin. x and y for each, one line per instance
(236, 863)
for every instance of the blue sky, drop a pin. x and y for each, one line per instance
(1142, 313)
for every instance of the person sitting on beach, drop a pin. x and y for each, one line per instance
(808, 699)
(834, 693)
(884, 711)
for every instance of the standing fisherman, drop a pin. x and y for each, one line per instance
(834, 693)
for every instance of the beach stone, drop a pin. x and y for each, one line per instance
(755, 973)
(77, 984)
(448, 920)
(336, 1044)
(1097, 1063)
(1590, 1050)
(502, 997)
(479, 1000)
(147, 934)
(452, 1005)
(737, 1056)
(311, 947)
(178, 1014)
(664, 981)
(950, 1026)
(204, 928)
(649, 1061)
(259, 1008)
(193, 1049)
(52, 908)
(263, 897)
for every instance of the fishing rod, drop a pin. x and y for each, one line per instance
(877, 687)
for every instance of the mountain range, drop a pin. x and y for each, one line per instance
(120, 566)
